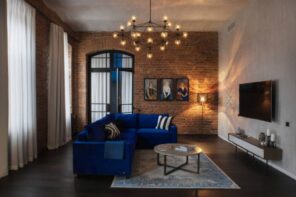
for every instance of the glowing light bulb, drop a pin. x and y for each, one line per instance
(162, 48)
(149, 55)
(115, 35)
(178, 27)
(121, 27)
(185, 34)
(149, 40)
(138, 34)
(169, 24)
(134, 35)
(129, 23)
(137, 48)
(202, 99)
(123, 42)
(177, 42)
(164, 34)
(149, 29)
(134, 18)
(165, 18)
(167, 43)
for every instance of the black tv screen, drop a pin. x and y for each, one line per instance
(256, 100)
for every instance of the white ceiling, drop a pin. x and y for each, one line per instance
(108, 15)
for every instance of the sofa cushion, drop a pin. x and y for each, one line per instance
(124, 121)
(128, 134)
(96, 130)
(148, 120)
(112, 132)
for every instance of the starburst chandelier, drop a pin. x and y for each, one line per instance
(133, 32)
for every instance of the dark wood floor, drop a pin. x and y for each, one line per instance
(51, 176)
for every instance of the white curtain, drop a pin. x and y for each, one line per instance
(67, 89)
(59, 121)
(22, 83)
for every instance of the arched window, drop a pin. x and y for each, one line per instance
(110, 83)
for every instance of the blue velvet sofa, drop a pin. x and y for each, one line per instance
(94, 155)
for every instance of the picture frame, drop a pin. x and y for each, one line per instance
(150, 89)
(166, 89)
(182, 89)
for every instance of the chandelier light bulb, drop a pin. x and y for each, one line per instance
(178, 27)
(164, 34)
(149, 55)
(137, 48)
(134, 35)
(115, 35)
(177, 42)
(121, 27)
(149, 40)
(149, 29)
(162, 48)
(185, 34)
(129, 23)
(169, 24)
(165, 18)
(138, 34)
(134, 18)
(167, 43)
(123, 42)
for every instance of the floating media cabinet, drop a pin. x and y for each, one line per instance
(253, 147)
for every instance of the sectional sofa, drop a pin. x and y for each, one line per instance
(94, 155)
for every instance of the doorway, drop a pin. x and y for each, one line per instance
(110, 84)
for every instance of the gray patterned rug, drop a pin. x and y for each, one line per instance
(147, 174)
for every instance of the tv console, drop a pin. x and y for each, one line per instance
(252, 146)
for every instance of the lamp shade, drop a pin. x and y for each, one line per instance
(202, 98)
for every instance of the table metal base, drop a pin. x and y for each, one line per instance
(175, 168)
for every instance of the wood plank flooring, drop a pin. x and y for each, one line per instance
(51, 176)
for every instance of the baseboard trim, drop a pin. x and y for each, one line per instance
(293, 176)
(3, 173)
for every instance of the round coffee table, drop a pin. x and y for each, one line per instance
(172, 150)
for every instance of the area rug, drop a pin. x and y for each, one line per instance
(147, 174)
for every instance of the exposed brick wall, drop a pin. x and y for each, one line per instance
(196, 59)
(42, 51)
(42, 47)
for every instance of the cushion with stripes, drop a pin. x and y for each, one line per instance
(112, 131)
(164, 122)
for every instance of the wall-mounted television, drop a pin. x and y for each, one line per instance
(256, 100)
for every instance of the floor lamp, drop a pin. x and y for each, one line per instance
(202, 99)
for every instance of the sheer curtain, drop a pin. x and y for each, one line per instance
(22, 83)
(59, 120)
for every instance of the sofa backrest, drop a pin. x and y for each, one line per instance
(96, 130)
(126, 121)
(149, 120)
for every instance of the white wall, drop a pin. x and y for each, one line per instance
(3, 95)
(261, 46)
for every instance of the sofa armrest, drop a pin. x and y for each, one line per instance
(173, 133)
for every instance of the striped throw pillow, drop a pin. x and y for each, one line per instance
(164, 122)
(112, 131)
